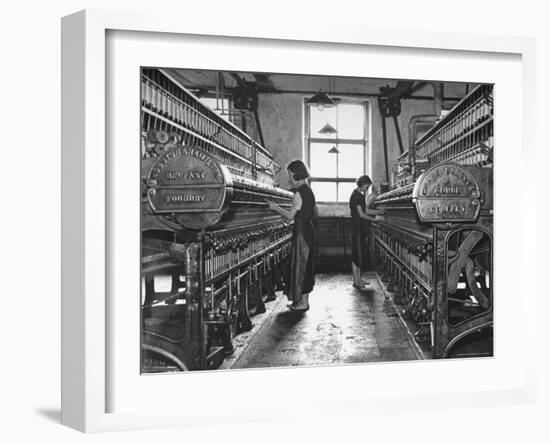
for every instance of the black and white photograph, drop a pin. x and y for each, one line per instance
(307, 220)
(280, 221)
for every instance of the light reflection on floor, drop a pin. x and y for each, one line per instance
(342, 326)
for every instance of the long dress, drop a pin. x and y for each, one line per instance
(358, 231)
(301, 278)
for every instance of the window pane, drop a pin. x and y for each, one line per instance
(351, 121)
(318, 119)
(322, 163)
(351, 160)
(344, 191)
(324, 191)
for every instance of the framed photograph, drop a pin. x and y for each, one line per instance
(213, 173)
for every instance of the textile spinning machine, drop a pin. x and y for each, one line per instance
(212, 251)
(434, 242)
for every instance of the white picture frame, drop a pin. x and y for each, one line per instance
(86, 206)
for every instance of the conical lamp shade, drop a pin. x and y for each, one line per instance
(333, 149)
(328, 129)
(320, 99)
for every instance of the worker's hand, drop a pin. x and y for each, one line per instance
(271, 205)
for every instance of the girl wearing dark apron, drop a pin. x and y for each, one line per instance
(359, 213)
(301, 277)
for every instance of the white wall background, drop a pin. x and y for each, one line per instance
(30, 221)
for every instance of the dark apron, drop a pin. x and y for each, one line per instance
(301, 277)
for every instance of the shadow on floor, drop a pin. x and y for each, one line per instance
(367, 291)
(51, 414)
(286, 320)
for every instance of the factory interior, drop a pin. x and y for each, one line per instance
(238, 275)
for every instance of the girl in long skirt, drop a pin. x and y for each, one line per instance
(301, 276)
(359, 212)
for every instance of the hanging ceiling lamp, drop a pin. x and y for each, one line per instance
(321, 100)
(328, 129)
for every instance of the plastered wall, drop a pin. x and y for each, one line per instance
(282, 120)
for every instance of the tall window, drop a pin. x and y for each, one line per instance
(336, 148)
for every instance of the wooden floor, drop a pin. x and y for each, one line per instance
(343, 326)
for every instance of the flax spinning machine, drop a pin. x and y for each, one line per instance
(434, 243)
(212, 251)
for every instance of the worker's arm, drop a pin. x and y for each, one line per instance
(371, 198)
(368, 214)
(290, 214)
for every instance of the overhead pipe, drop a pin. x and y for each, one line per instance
(413, 121)
(438, 97)
(398, 133)
(438, 107)
(385, 145)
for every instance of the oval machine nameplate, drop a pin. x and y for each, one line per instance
(189, 181)
(447, 193)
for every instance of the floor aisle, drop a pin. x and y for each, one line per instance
(342, 326)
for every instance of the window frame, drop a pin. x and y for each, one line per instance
(365, 141)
